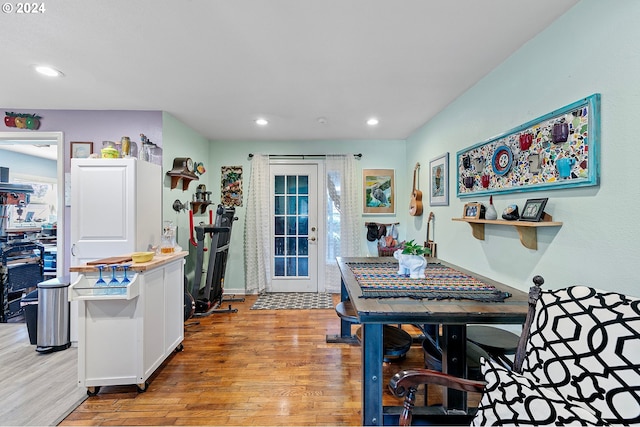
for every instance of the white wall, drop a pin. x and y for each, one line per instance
(28, 165)
(376, 155)
(591, 49)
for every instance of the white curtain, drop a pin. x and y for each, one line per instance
(342, 207)
(257, 265)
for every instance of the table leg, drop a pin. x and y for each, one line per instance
(454, 362)
(372, 374)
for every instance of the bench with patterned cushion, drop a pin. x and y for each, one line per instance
(579, 364)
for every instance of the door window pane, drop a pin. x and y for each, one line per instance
(303, 266)
(291, 184)
(279, 205)
(279, 266)
(291, 225)
(291, 205)
(279, 185)
(303, 246)
(291, 246)
(279, 226)
(303, 225)
(303, 205)
(279, 246)
(303, 184)
(291, 266)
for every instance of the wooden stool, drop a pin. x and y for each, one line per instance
(396, 342)
(497, 342)
(346, 311)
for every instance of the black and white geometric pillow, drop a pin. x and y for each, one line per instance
(513, 399)
(582, 364)
(585, 345)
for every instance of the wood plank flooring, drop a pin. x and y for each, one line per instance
(35, 389)
(253, 367)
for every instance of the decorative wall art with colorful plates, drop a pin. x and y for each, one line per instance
(506, 165)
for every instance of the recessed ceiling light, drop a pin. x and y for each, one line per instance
(373, 121)
(48, 71)
(262, 122)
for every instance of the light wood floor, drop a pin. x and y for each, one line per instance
(35, 389)
(254, 367)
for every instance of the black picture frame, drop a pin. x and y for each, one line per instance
(533, 210)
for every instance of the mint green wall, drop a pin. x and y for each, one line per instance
(181, 141)
(591, 49)
(376, 155)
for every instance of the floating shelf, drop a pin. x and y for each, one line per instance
(186, 180)
(526, 229)
(200, 206)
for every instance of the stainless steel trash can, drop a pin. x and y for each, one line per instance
(53, 315)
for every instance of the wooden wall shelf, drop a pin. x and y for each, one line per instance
(526, 229)
(200, 206)
(186, 180)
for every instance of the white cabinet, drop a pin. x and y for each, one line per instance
(125, 333)
(116, 207)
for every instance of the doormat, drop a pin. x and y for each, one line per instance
(293, 301)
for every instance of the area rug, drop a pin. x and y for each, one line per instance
(293, 301)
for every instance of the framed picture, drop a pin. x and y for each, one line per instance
(231, 186)
(533, 210)
(81, 150)
(379, 191)
(472, 210)
(439, 181)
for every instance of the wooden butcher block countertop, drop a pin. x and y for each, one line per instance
(157, 261)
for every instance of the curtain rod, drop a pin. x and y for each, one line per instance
(303, 156)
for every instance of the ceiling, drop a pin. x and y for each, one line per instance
(43, 149)
(316, 69)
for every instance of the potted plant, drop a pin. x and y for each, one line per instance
(411, 260)
(411, 248)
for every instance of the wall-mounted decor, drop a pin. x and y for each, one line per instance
(81, 150)
(439, 181)
(378, 191)
(231, 186)
(557, 150)
(198, 168)
(21, 121)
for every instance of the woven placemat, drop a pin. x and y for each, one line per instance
(381, 280)
(293, 301)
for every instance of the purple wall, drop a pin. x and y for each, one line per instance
(95, 126)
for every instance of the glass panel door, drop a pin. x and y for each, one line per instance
(294, 228)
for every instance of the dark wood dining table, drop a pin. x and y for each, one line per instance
(452, 314)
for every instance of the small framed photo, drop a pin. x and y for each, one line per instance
(439, 181)
(81, 150)
(378, 191)
(472, 210)
(533, 210)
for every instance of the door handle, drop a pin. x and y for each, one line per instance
(312, 239)
(73, 251)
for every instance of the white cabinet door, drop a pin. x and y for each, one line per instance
(102, 209)
(116, 207)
